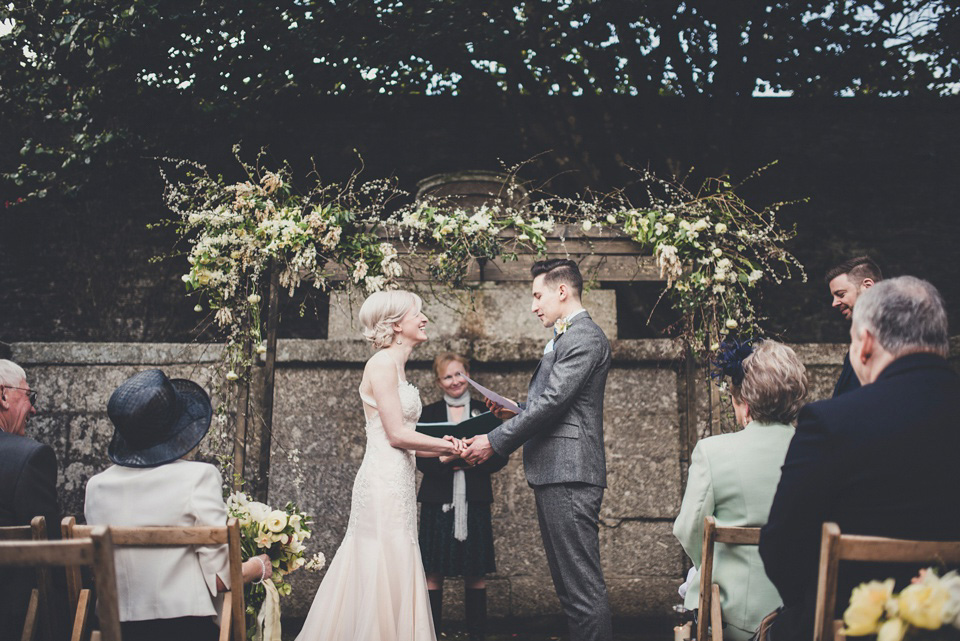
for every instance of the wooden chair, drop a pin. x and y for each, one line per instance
(95, 551)
(836, 547)
(39, 614)
(233, 616)
(709, 617)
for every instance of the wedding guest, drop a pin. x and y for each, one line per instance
(28, 485)
(880, 460)
(847, 281)
(733, 478)
(456, 533)
(164, 593)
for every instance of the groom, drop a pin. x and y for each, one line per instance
(561, 429)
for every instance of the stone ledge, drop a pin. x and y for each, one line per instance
(297, 351)
(302, 351)
(114, 353)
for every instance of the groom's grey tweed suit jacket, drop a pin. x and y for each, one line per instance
(561, 427)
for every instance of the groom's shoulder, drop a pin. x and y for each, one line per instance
(587, 329)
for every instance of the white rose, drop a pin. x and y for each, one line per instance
(611, 218)
(717, 252)
(670, 217)
(253, 299)
(276, 521)
(587, 225)
(731, 324)
(720, 228)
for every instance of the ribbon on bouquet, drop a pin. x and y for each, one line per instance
(459, 506)
(268, 619)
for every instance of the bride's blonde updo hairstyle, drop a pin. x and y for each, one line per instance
(382, 310)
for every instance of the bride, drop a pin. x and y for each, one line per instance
(375, 588)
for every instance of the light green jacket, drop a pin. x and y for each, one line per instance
(734, 477)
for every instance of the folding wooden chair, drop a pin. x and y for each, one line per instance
(709, 609)
(38, 614)
(95, 551)
(233, 616)
(836, 547)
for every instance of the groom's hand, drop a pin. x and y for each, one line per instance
(478, 451)
(498, 410)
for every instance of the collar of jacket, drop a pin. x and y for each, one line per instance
(911, 362)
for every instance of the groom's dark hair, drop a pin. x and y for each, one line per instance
(559, 270)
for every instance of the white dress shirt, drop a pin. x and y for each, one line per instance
(170, 582)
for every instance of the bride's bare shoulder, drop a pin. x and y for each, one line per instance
(381, 368)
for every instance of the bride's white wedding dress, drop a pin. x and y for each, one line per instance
(375, 588)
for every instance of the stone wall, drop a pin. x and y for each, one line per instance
(317, 413)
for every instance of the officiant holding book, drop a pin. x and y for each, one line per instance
(456, 533)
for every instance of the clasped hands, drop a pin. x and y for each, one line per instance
(477, 449)
(472, 451)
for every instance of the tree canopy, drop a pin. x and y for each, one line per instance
(77, 76)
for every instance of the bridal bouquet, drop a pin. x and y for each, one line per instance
(929, 608)
(279, 534)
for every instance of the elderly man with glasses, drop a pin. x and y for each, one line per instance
(28, 484)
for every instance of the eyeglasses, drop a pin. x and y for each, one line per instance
(451, 378)
(31, 395)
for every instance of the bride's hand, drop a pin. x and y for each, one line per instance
(457, 446)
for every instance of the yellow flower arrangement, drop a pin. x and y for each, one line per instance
(929, 603)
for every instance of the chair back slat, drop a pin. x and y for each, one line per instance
(710, 616)
(871, 548)
(836, 547)
(54, 553)
(16, 533)
(738, 535)
(161, 536)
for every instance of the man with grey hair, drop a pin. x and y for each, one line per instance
(879, 460)
(28, 484)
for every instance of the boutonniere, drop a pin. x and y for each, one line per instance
(561, 326)
(475, 412)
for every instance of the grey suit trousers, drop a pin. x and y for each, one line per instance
(569, 515)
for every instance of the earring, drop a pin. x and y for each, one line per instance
(399, 342)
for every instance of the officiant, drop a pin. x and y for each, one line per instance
(456, 533)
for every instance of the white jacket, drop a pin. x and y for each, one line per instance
(163, 583)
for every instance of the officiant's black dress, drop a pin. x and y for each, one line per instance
(441, 552)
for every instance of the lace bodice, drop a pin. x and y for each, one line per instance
(387, 474)
(410, 405)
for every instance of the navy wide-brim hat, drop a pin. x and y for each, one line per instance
(156, 419)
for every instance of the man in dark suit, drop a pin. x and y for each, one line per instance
(847, 281)
(880, 460)
(28, 485)
(561, 431)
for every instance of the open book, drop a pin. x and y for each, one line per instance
(465, 429)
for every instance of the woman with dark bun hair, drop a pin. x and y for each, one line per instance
(456, 533)
(733, 478)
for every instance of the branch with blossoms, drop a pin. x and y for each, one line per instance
(236, 232)
(711, 247)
